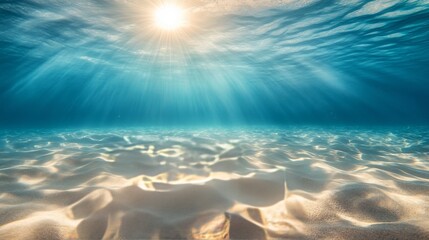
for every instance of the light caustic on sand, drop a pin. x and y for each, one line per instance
(278, 183)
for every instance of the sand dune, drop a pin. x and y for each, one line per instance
(215, 184)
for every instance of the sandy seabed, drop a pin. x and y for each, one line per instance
(297, 183)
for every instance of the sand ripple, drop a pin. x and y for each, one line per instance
(298, 183)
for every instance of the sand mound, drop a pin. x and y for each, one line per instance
(294, 184)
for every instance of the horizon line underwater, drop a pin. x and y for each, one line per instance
(203, 119)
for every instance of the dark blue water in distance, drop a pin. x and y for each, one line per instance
(264, 62)
(214, 119)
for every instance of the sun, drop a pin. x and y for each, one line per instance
(169, 17)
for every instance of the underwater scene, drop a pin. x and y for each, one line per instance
(214, 119)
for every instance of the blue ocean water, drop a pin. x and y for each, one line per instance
(100, 63)
(254, 119)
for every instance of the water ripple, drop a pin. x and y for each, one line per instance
(237, 61)
(298, 183)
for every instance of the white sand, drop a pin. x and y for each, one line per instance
(215, 184)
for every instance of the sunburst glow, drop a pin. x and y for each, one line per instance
(169, 17)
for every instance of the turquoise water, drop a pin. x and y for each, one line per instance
(98, 63)
(254, 119)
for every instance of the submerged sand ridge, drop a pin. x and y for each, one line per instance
(299, 183)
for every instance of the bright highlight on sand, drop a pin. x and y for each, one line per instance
(169, 17)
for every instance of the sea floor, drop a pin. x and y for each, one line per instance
(293, 183)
